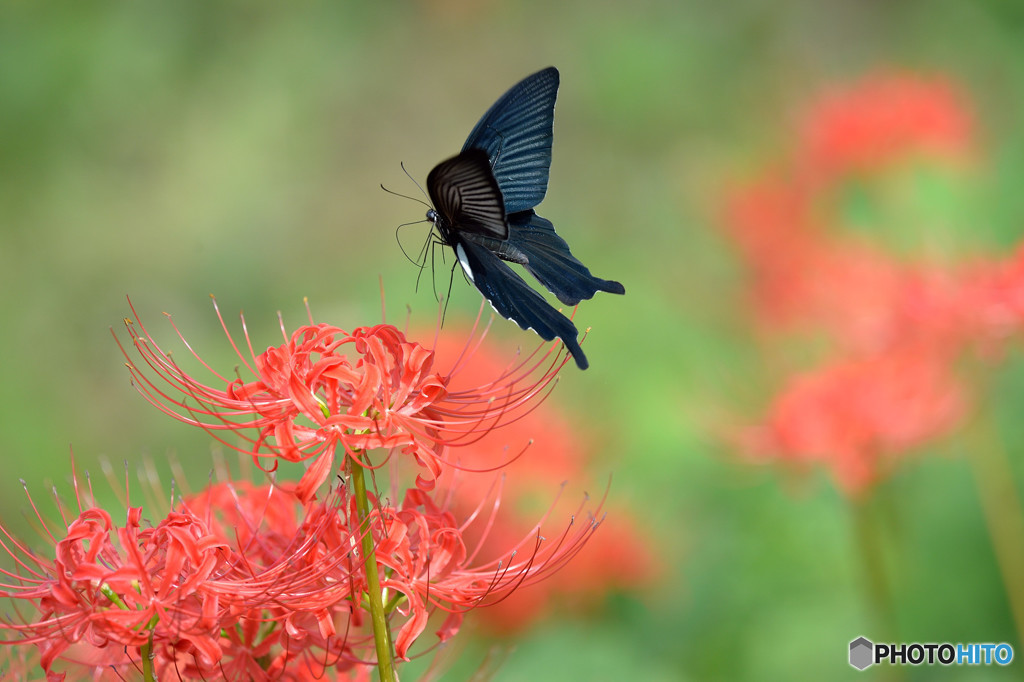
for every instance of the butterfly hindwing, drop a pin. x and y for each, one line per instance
(514, 299)
(517, 132)
(466, 194)
(548, 258)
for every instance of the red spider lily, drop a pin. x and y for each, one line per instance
(619, 557)
(992, 301)
(883, 118)
(858, 415)
(794, 262)
(897, 328)
(804, 271)
(803, 277)
(429, 562)
(979, 304)
(261, 582)
(206, 600)
(244, 581)
(895, 384)
(325, 389)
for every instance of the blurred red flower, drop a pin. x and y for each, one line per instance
(803, 277)
(885, 117)
(896, 328)
(856, 416)
(538, 454)
(805, 271)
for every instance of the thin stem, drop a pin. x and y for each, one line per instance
(146, 651)
(381, 631)
(1003, 513)
(879, 594)
(869, 545)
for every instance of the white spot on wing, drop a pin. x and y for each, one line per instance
(463, 261)
(460, 252)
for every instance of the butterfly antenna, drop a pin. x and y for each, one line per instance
(419, 259)
(405, 196)
(420, 187)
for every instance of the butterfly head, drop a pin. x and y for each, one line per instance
(440, 223)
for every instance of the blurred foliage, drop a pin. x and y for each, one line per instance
(173, 150)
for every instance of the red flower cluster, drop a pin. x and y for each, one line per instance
(806, 271)
(855, 414)
(243, 581)
(879, 120)
(326, 390)
(897, 328)
(264, 582)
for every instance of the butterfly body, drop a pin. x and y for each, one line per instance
(502, 248)
(484, 199)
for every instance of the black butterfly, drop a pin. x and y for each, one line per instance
(484, 200)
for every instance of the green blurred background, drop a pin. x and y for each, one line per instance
(168, 151)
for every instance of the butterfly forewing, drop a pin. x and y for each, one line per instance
(516, 132)
(466, 194)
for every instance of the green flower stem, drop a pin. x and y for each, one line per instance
(1004, 515)
(381, 631)
(146, 652)
(997, 493)
(869, 546)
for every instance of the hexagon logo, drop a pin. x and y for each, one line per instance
(861, 650)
